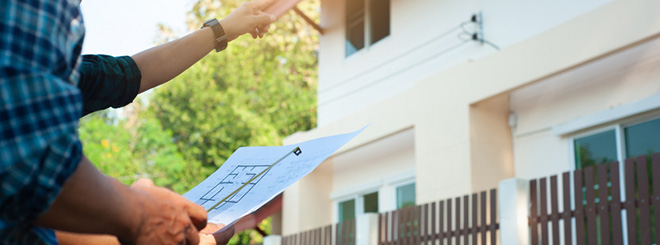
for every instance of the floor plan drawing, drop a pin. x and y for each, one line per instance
(238, 177)
(252, 176)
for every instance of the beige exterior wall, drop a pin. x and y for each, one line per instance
(491, 143)
(618, 79)
(421, 32)
(373, 162)
(451, 111)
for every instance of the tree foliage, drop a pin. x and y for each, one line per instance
(254, 93)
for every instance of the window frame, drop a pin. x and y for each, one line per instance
(619, 129)
(367, 29)
(358, 196)
(401, 184)
(386, 188)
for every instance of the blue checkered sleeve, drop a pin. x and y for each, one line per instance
(40, 43)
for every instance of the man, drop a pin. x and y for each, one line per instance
(47, 183)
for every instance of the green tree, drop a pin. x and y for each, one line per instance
(134, 147)
(254, 93)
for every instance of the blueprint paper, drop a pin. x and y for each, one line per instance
(248, 162)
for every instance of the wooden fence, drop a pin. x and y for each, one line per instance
(435, 224)
(344, 234)
(596, 205)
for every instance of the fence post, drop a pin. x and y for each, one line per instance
(273, 240)
(366, 230)
(513, 204)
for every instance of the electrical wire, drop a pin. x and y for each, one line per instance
(491, 44)
(380, 79)
(463, 26)
(436, 38)
(475, 38)
(465, 36)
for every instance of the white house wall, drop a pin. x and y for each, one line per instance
(416, 47)
(438, 107)
(374, 162)
(607, 83)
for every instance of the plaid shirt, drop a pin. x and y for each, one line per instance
(107, 81)
(40, 43)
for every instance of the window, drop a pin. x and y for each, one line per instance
(637, 139)
(643, 138)
(367, 22)
(347, 210)
(595, 149)
(405, 196)
(371, 203)
(351, 208)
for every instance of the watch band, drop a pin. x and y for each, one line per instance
(220, 36)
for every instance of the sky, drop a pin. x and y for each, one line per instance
(126, 27)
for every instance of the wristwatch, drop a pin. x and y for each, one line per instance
(220, 36)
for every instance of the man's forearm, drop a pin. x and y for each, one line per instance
(91, 202)
(166, 61)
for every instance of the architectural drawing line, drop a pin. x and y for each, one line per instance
(295, 151)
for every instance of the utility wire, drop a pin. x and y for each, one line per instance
(465, 36)
(374, 67)
(491, 44)
(474, 35)
(376, 81)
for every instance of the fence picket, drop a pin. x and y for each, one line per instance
(567, 215)
(433, 235)
(306, 236)
(410, 225)
(457, 231)
(328, 233)
(441, 221)
(423, 223)
(494, 226)
(533, 213)
(544, 211)
(381, 226)
(630, 201)
(656, 194)
(474, 219)
(615, 205)
(466, 219)
(643, 201)
(483, 217)
(298, 239)
(579, 208)
(554, 207)
(457, 234)
(590, 210)
(420, 224)
(417, 224)
(449, 233)
(603, 209)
